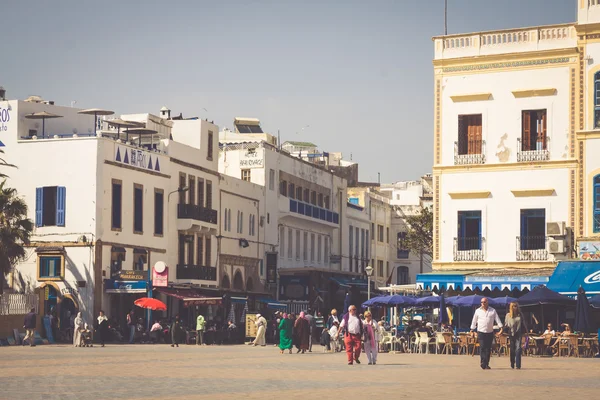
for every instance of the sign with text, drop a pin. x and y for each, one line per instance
(160, 279)
(116, 286)
(129, 275)
(253, 158)
(4, 118)
(137, 158)
(251, 328)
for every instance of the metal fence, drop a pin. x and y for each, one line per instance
(295, 307)
(18, 304)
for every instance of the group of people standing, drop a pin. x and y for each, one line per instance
(295, 331)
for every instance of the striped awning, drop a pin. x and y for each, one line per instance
(475, 280)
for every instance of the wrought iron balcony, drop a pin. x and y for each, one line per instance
(532, 248)
(200, 272)
(541, 153)
(192, 211)
(476, 146)
(469, 249)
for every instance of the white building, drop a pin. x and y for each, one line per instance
(515, 118)
(304, 205)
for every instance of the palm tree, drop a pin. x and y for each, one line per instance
(15, 230)
(3, 163)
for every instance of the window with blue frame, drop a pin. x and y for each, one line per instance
(469, 230)
(50, 202)
(50, 266)
(597, 203)
(533, 229)
(597, 100)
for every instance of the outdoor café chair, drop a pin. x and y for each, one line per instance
(424, 339)
(463, 344)
(503, 345)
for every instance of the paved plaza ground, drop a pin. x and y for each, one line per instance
(243, 372)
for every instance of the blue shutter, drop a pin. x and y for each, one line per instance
(39, 206)
(61, 192)
(479, 230)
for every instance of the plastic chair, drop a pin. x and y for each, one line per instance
(424, 339)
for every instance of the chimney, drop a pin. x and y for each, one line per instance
(165, 113)
(2, 93)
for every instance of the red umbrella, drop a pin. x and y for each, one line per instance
(152, 304)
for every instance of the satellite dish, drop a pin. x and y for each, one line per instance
(160, 267)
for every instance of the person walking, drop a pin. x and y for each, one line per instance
(332, 318)
(131, 326)
(261, 325)
(175, 326)
(200, 328)
(102, 328)
(483, 322)
(286, 326)
(311, 328)
(354, 332)
(515, 325)
(302, 327)
(371, 338)
(78, 327)
(29, 323)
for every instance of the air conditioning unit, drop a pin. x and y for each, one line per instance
(555, 228)
(556, 246)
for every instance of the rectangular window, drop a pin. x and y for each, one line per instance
(200, 251)
(313, 198)
(282, 242)
(116, 206)
(207, 252)
(312, 247)
(181, 250)
(50, 202)
(372, 231)
(291, 191)
(159, 211)
(402, 277)
(380, 268)
(299, 193)
(200, 192)
(350, 244)
(402, 252)
(387, 235)
(140, 260)
(326, 250)
(469, 134)
(387, 268)
(596, 202)
(182, 194)
(209, 148)
(271, 179)
(533, 134)
(138, 208)
(380, 233)
(290, 241)
(356, 248)
(306, 195)
(367, 246)
(326, 202)
(362, 247)
(246, 175)
(533, 229)
(209, 195)
(319, 248)
(50, 266)
(191, 189)
(190, 243)
(283, 188)
(305, 247)
(297, 245)
(469, 230)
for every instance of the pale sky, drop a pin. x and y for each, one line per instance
(358, 72)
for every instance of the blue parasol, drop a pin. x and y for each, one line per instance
(443, 317)
(501, 301)
(468, 301)
(431, 301)
(582, 313)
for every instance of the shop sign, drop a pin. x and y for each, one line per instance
(137, 158)
(69, 290)
(251, 329)
(253, 158)
(293, 288)
(4, 119)
(589, 251)
(129, 275)
(117, 286)
(160, 278)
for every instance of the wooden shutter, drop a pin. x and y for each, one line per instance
(61, 193)
(474, 135)
(39, 206)
(526, 133)
(462, 134)
(542, 131)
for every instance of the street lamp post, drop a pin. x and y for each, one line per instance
(369, 272)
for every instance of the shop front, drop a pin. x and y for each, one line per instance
(123, 292)
(62, 300)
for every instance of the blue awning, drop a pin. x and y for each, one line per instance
(462, 280)
(570, 275)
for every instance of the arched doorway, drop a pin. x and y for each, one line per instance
(225, 284)
(249, 285)
(238, 282)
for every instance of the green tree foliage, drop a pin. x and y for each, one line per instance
(419, 237)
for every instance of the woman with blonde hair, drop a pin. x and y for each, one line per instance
(371, 337)
(514, 323)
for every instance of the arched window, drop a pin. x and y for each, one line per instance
(238, 281)
(596, 203)
(597, 100)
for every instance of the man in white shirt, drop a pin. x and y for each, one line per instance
(483, 321)
(353, 335)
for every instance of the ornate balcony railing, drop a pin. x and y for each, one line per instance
(466, 159)
(532, 248)
(196, 212)
(469, 249)
(199, 272)
(541, 153)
